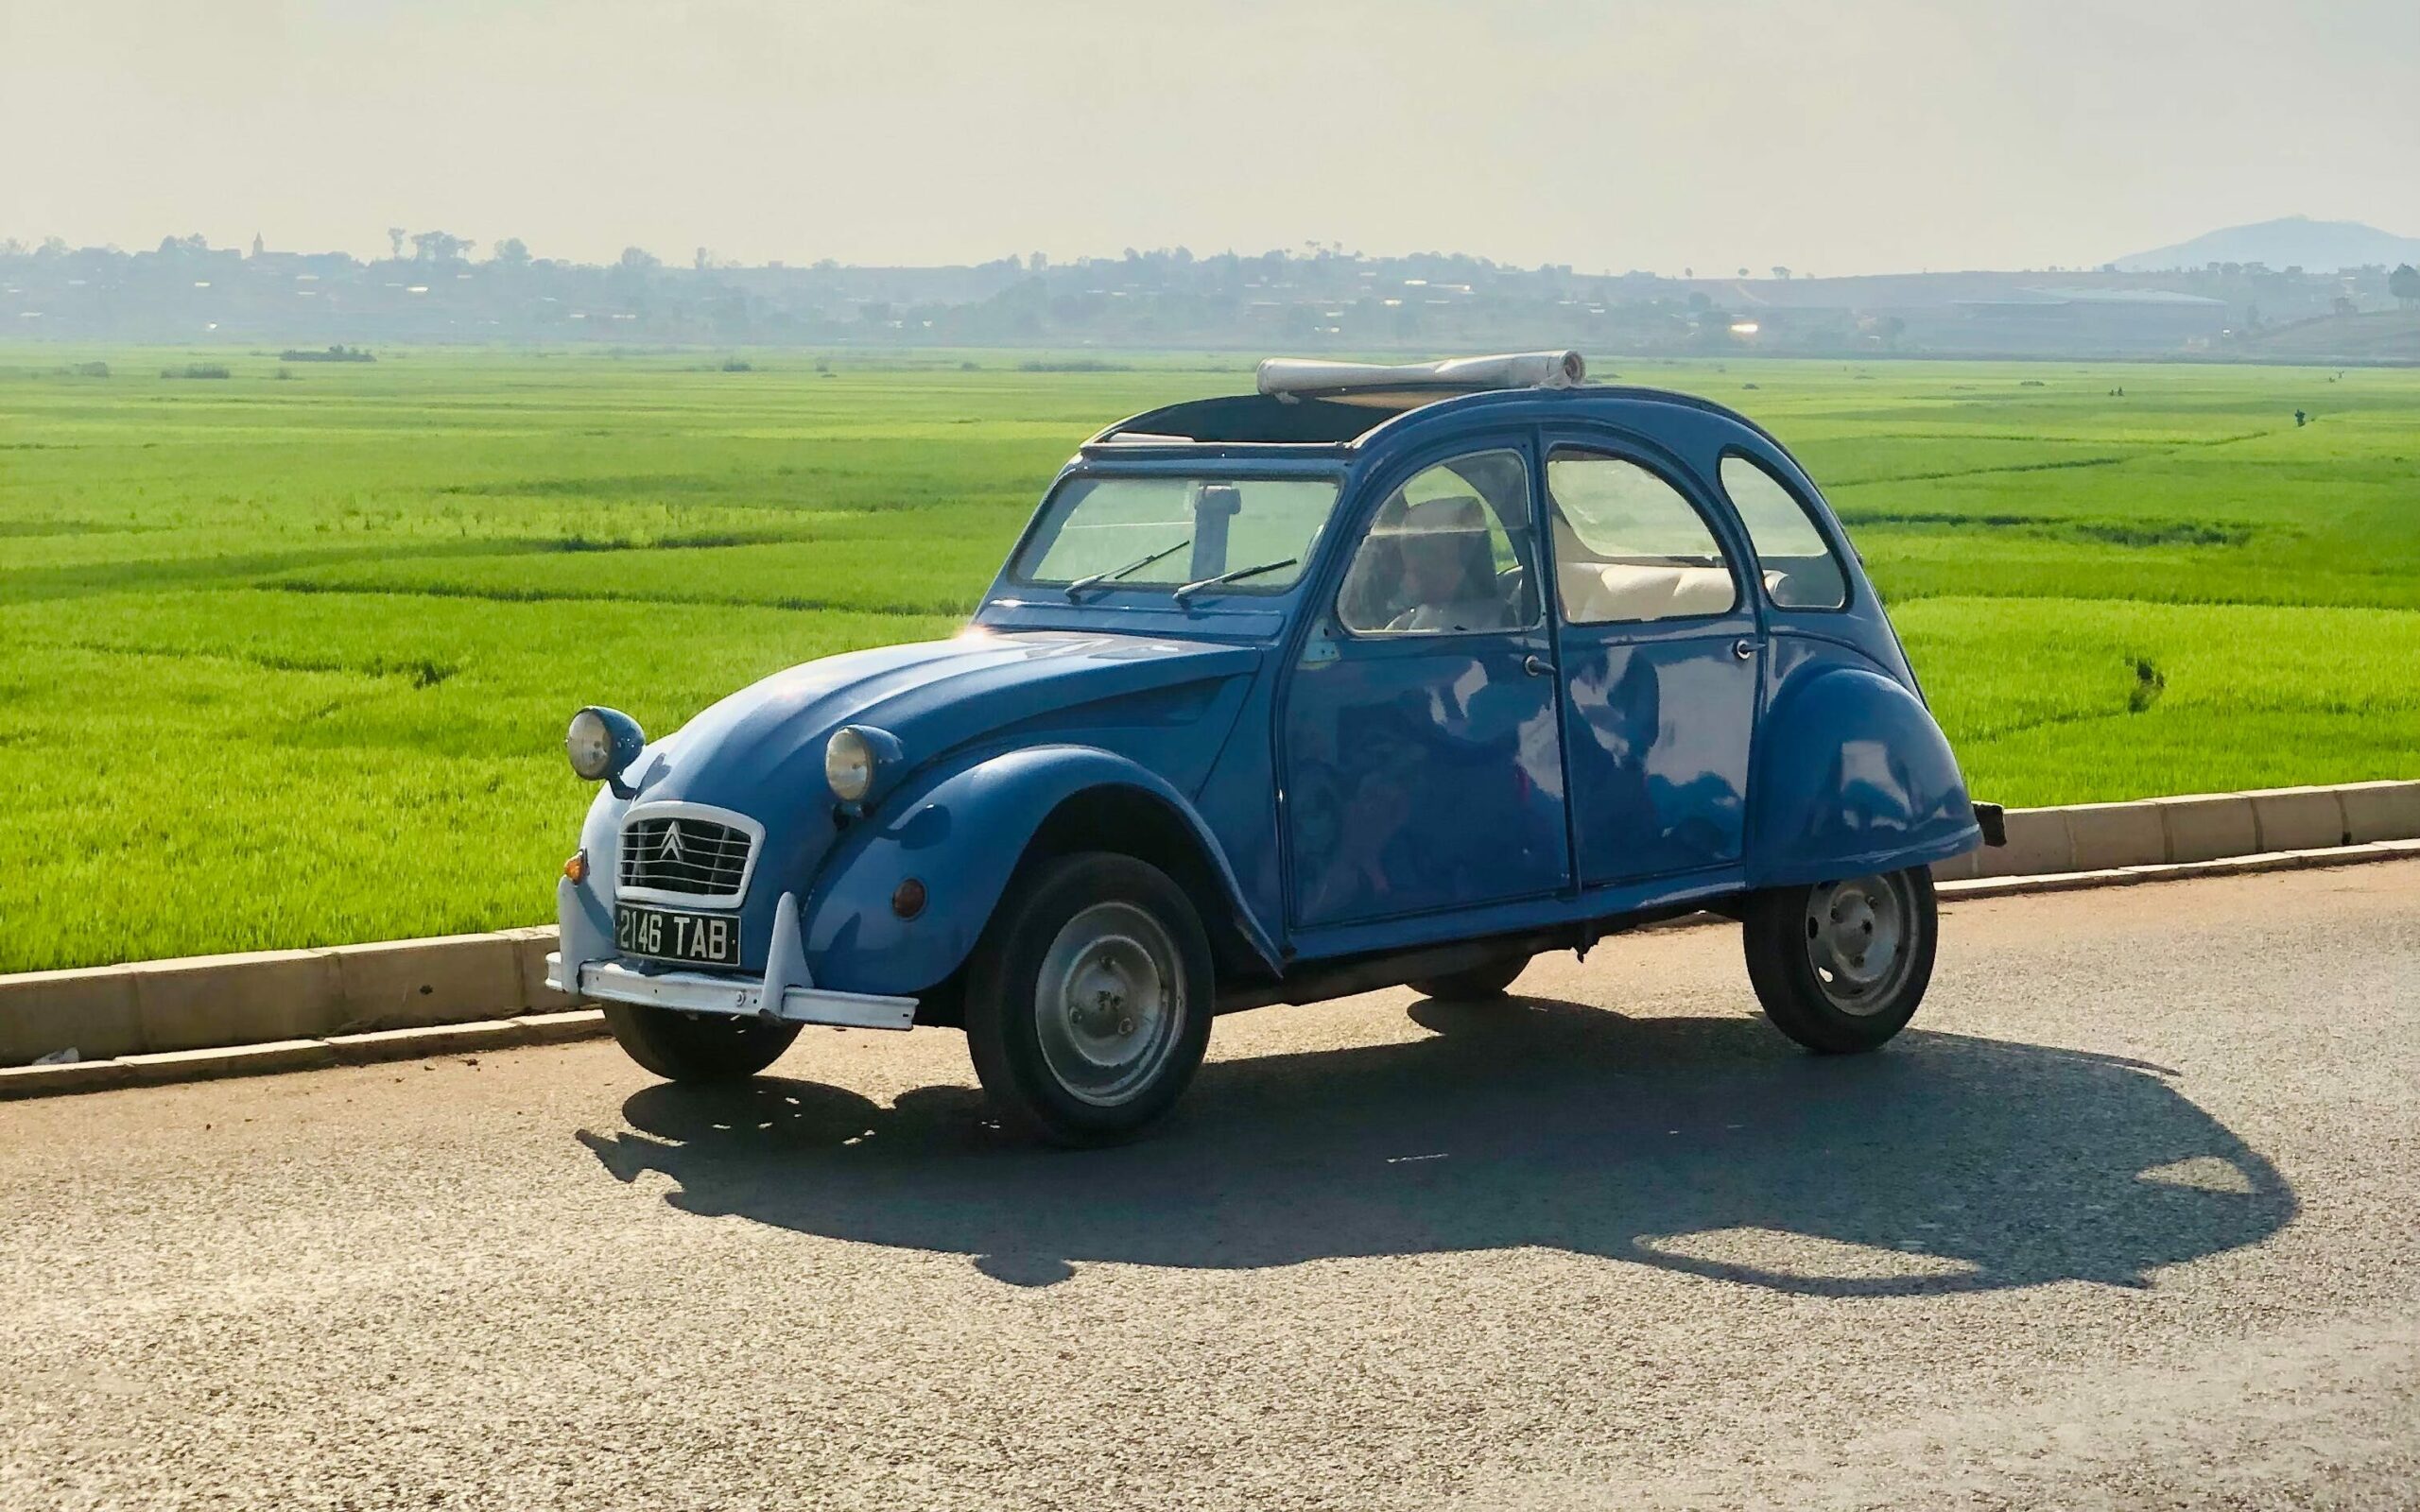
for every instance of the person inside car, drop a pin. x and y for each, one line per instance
(1449, 571)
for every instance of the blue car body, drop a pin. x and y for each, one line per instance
(1327, 800)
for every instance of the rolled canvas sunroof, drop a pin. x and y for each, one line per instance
(1381, 383)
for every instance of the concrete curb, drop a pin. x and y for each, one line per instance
(210, 1001)
(2198, 827)
(2178, 871)
(303, 1054)
(588, 1023)
(378, 1000)
(1973, 889)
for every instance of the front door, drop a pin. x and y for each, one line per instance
(1420, 739)
(1660, 649)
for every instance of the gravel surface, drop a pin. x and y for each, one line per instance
(2126, 1221)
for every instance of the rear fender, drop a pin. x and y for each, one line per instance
(1852, 776)
(962, 831)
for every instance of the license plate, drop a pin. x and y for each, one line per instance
(700, 940)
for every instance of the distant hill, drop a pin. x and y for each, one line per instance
(2297, 241)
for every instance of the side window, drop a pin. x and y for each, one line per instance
(1450, 552)
(1800, 570)
(1627, 545)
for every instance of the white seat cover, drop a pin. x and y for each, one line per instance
(1597, 593)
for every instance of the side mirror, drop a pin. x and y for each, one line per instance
(1214, 505)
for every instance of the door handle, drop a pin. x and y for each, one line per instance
(1537, 667)
(1743, 649)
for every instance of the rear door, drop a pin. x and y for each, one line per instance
(1660, 649)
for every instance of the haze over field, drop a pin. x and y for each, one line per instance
(1891, 136)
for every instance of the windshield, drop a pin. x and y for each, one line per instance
(1169, 530)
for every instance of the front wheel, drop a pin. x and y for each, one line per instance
(1088, 1005)
(698, 1047)
(1841, 966)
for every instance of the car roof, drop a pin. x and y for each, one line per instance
(1292, 424)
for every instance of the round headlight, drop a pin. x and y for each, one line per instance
(848, 766)
(590, 745)
(602, 742)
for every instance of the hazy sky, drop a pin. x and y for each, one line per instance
(1831, 137)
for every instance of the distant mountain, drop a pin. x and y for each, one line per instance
(2297, 241)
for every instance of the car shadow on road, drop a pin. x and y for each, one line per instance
(1945, 1163)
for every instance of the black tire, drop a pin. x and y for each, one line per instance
(1811, 956)
(698, 1047)
(1102, 1045)
(1475, 985)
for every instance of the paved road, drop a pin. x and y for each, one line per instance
(2128, 1221)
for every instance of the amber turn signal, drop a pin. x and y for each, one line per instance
(908, 899)
(577, 868)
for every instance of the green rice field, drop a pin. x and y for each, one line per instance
(286, 660)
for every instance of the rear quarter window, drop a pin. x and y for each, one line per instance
(1796, 564)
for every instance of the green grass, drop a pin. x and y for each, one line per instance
(286, 663)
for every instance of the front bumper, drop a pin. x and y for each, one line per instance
(588, 965)
(700, 992)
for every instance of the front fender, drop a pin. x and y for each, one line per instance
(1852, 776)
(961, 831)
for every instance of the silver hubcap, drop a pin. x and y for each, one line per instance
(1856, 940)
(1108, 1003)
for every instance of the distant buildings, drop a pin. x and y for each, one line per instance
(184, 291)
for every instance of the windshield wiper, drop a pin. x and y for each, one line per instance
(1095, 579)
(1236, 576)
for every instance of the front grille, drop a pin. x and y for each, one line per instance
(683, 855)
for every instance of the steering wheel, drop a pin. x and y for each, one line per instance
(1512, 586)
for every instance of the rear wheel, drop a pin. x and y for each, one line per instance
(1842, 966)
(1475, 985)
(698, 1047)
(1089, 1000)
